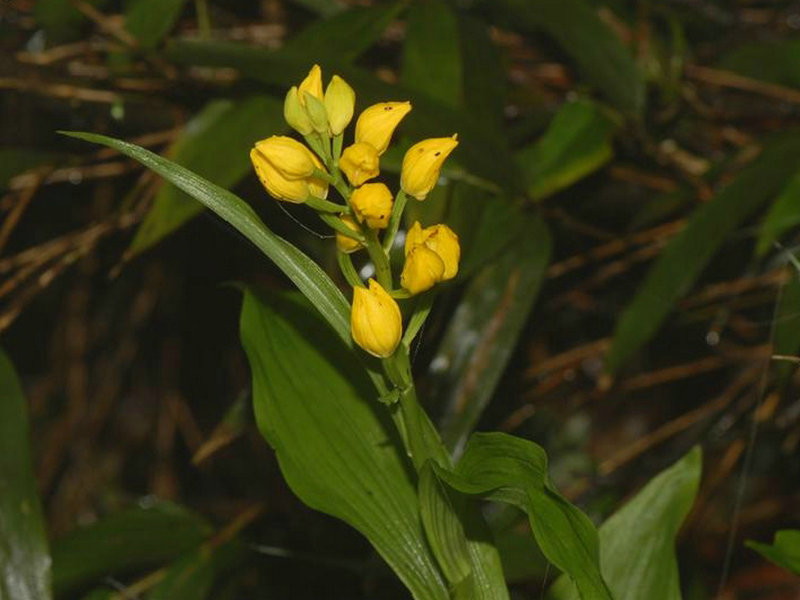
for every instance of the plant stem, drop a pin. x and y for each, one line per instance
(348, 270)
(337, 224)
(383, 271)
(394, 221)
(321, 205)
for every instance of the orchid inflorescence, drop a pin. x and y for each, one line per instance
(370, 217)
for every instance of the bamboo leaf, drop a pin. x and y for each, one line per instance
(123, 542)
(595, 48)
(684, 259)
(304, 272)
(776, 61)
(215, 144)
(193, 575)
(782, 216)
(637, 543)
(577, 143)
(24, 555)
(333, 442)
(503, 468)
(150, 20)
(784, 551)
(485, 327)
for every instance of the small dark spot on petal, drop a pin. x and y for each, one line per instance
(421, 150)
(387, 108)
(437, 154)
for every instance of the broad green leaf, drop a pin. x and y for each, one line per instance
(485, 79)
(637, 543)
(62, 22)
(503, 468)
(346, 35)
(193, 575)
(773, 61)
(150, 20)
(787, 327)
(332, 438)
(124, 542)
(24, 556)
(485, 327)
(593, 45)
(577, 143)
(783, 215)
(482, 152)
(684, 259)
(521, 556)
(215, 144)
(784, 551)
(304, 272)
(432, 61)
(324, 8)
(444, 531)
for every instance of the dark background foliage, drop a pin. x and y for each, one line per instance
(627, 192)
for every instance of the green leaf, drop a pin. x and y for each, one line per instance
(684, 259)
(215, 144)
(24, 556)
(124, 542)
(503, 468)
(62, 22)
(432, 61)
(304, 272)
(783, 215)
(481, 336)
(483, 154)
(774, 61)
(150, 20)
(333, 440)
(346, 35)
(485, 79)
(577, 143)
(784, 551)
(593, 45)
(193, 575)
(637, 543)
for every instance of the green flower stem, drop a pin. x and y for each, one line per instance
(336, 223)
(348, 269)
(400, 294)
(394, 221)
(317, 145)
(337, 148)
(418, 433)
(418, 318)
(326, 206)
(341, 186)
(383, 272)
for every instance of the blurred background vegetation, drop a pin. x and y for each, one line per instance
(627, 192)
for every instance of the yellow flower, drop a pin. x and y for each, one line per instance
(295, 113)
(421, 271)
(344, 243)
(283, 168)
(360, 163)
(372, 202)
(375, 321)
(291, 158)
(422, 163)
(444, 242)
(340, 100)
(377, 123)
(423, 268)
(311, 84)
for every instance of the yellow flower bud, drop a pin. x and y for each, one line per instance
(441, 240)
(372, 202)
(422, 163)
(289, 190)
(348, 244)
(377, 123)
(375, 321)
(288, 156)
(284, 167)
(360, 163)
(315, 110)
(311, 84)
(340, 100)
(444, 242)
(295, 113)
(423, 269)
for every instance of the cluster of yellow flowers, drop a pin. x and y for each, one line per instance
(294, 172)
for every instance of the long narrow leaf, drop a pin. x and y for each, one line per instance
(24, 556)
(304, 272)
